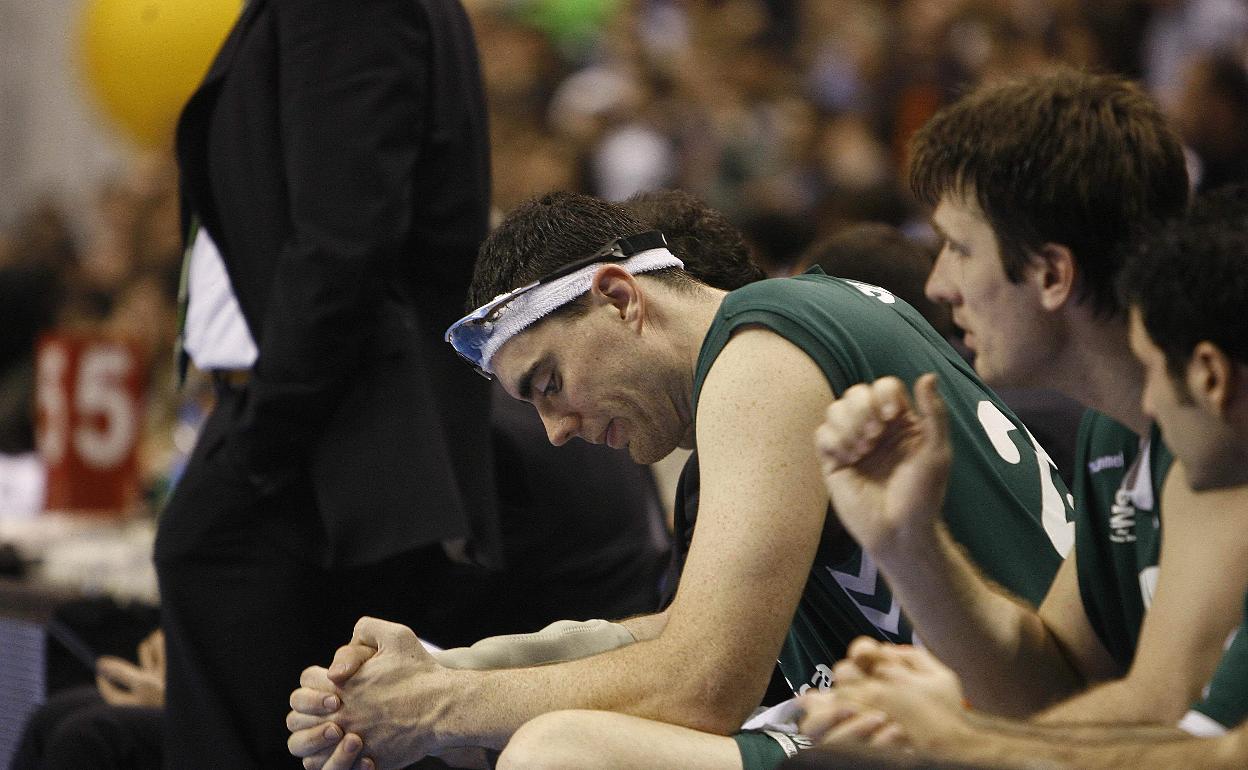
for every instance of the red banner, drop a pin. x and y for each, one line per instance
(89, 420)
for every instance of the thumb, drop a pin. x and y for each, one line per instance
(370, 637)
(380, 634)
(116, 679)
(366, 631)
(117, 670)
(932, 411)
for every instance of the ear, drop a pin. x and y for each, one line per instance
(1054, 273)
(616, 288)
(1213, 379)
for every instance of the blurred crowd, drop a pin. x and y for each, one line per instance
(790, 116)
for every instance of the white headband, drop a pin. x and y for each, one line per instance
(531, 306)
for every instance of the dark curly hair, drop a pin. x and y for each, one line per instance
(1065, 157)
(546, 233)
(711, 247)
(1188, 277)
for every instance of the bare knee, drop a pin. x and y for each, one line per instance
(554, 741)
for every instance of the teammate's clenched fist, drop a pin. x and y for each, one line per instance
(885, 459)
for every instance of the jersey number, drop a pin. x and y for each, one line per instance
(997, 426)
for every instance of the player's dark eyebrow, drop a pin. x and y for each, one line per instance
(525, 385)
(944, 236)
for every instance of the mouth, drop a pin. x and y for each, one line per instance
(967, 334)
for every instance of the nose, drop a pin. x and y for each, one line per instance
(1146, 402)
(939, 287)
(560, 428)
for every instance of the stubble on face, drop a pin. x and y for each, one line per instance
(616, 388)
(1011, 339)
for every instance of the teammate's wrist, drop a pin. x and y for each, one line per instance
(907, 542)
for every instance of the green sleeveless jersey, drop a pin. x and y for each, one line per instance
(1117, 484)
(1005, 502)
(1225, 700)
(1118, 481)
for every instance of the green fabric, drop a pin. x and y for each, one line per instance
(759, 751)
(858, 333)
(1226, 698)
(1117, 529)
(1118, 538)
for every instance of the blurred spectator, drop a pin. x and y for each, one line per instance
(122, 283)
(883, 256)
(789, 116)
(1212, 118)
(1179, 31)
(27, 294)
(33, 263)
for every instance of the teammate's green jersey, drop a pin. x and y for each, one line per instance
(1225, 700)
(1118, 483)
(1005, 502)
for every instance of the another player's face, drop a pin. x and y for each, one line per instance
(1004, 324)
(1194, 435)
(589, 377)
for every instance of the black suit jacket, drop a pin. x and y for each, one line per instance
(337, 154)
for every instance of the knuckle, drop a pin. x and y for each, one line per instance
(311, 675)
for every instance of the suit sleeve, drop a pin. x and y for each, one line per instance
(353, 89)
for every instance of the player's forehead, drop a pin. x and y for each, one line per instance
(958, 211)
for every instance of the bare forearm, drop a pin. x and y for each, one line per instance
(1184, 633)
(645, 627)
(1124, 700)
(1091, 746)
(1008, 661)
(485, 708)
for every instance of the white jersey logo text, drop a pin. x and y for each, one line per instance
(822, 678)
(1122, 518)
(1106, 461)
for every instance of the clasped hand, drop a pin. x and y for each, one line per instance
(887, 694)
(368, 695)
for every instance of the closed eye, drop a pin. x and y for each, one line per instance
(552, 385)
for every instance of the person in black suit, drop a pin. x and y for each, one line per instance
(335, 168)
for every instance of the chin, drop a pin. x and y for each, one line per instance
(644, 453)
(998, 376)
(986, 373)
(640, 455)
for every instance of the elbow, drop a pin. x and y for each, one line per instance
(704, 684)
(713, 703)
(1171, 702)
(716, 722)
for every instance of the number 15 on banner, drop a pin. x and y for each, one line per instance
(88, 420)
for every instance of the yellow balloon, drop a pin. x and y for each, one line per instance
(142, 59)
